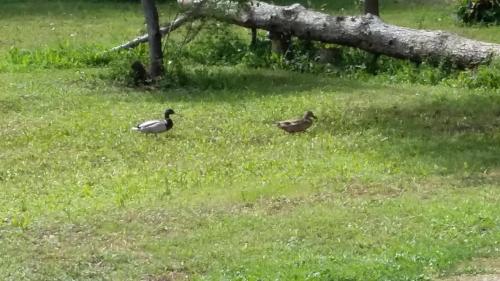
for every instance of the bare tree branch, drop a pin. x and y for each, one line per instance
(164, 30)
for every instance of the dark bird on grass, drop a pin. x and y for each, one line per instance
(139, 74)
(298, 125)
(156, 126)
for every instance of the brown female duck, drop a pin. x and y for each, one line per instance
(298, 125)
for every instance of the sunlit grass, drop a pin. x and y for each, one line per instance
(69, 158)
(393, 182)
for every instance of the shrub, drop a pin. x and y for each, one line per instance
(218, 45)
(189, 64)
(485, 76)
(479, 11)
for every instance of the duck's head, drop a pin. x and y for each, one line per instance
(168, 112)
(309, 115)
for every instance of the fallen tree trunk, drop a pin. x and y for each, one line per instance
(366, 32)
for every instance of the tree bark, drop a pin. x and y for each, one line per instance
(371, 7)
(367, 32)
(154, 38)
(254, 37)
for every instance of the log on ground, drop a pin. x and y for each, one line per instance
(366, 32)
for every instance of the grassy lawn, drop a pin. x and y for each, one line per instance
(394, 181)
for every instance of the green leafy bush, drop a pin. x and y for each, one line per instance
(217, 45)
(225, 48)
(479, 11)
(485, 76)
(188, 61)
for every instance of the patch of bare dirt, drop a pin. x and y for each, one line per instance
(481, 277)
(491, 267)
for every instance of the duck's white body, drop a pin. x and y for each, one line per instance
(156, 126)
(153, 126)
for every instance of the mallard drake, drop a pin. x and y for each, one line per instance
(298, 125)
(156, 126)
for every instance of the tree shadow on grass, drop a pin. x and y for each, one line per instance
(447, 134)
(450, 135)
(230, 85)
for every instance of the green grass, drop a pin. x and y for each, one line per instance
(394, 182)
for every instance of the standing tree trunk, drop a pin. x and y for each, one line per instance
(154, 38)
(371, 7)
(254, 37)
